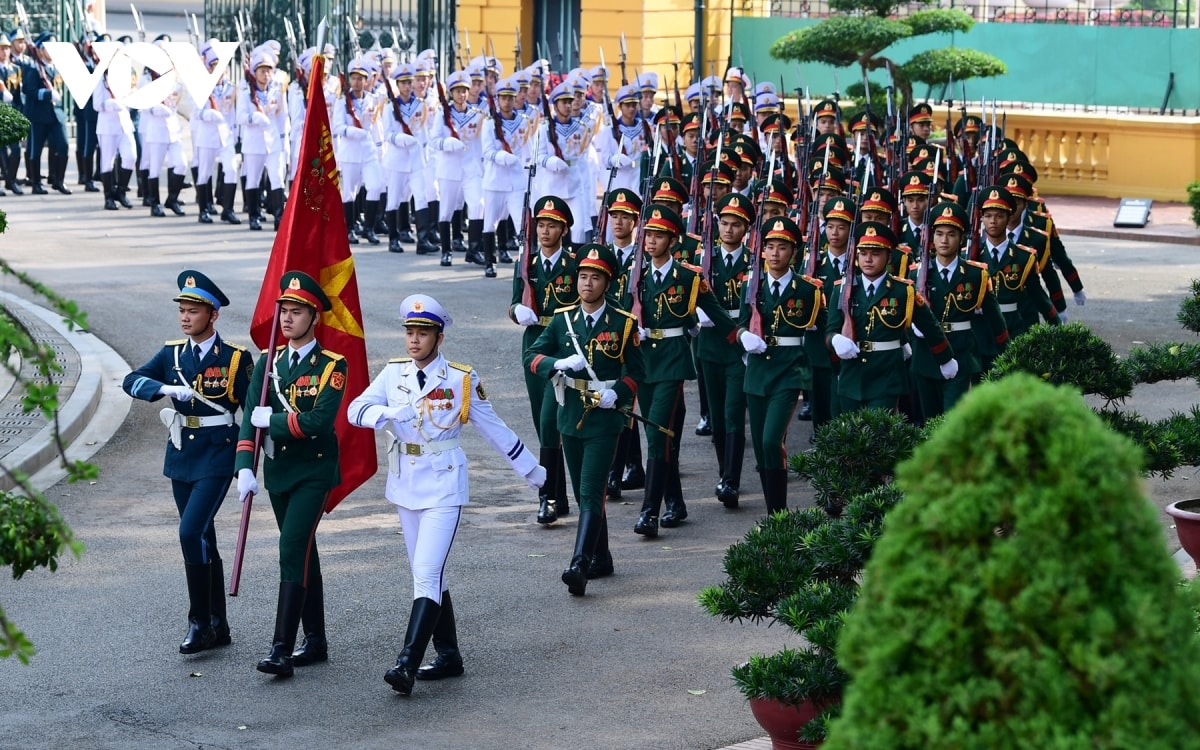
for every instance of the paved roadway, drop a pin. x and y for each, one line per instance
(544, 670)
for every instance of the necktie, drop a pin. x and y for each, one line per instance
(996, 254)
(421, 379)
(196, 353)
(870, 290)
(837, 266)
(728, 262)
(946, 275)
(658, 278)
(775, 289)
(546, 265)
(295, 360)
(590, 323)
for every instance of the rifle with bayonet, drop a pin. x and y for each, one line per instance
(624, 79)
(137, 21)
(517, 51)
(706, 240)
(927, 233)
(951, 151)
(812, 237)
(497, 126)
(525, 270)
(551, 126)
(754, 282)
(676, 160)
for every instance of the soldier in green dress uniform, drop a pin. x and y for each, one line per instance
(301, 466)
(872, 373)
(789, 304)
(590, 353)
(670, 294)
(830, 268)
(624, 209)
(1037, 231)
(552, 281)
(720, 362)
(960, 291)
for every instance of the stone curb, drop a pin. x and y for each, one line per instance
(1117, 234)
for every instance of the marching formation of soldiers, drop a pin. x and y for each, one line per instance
(814, 263)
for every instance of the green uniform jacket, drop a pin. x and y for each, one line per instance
(618, 292)
(1058, 253)
(727, 285)
(885, 317)
(957, 306)
(784, 320)
(551, 292)
(612, 350)
(815, 346)
(1018, 290)
(306, 447)
(671, 306)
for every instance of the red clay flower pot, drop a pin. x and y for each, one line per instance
(782, 721)
(1187, 525)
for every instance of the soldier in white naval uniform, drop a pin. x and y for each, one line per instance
(422, 402)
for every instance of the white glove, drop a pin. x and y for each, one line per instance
(261, 416)
(1063, 317)
(160, 110)
(694, 331)
(620, 161)
(112, 105)
(55, 97)
(536, 477)
(7, 98)
(907, 349)
(404, 140)
(917, 332)
(453, 145)
(556, 165)
(643, 334)
(401, 413)
(1081, 298)
(247, 484)
(608, 398)
(705, 321)
(355, 134)
(950, 369)
(525, 316)
(260, 118)
(752, 343)
(505, 159)
(573, 362)
(844, 347)
(208, 114)
(177, 392)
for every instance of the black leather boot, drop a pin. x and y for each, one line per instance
(57, 172)
(124, 176)
(474, 242)
(775, 489)
(503, 237)
(110, 191)
(421, 622)
(152, 194)
(718, 441)
(370, 216)
(394, 245)
(253, 207)
(561, 505)
(200, 635)
(656, 477)
(433, 228)
(586, 534)
(143, 176)
(444, 236)
(287, 619)
(635, 476)
(602, 561)
(87, 178)
(314, 649)
(547, 510)
(220, 618)
(380, 223)
(448, 662)
(676, 510)
(456, 232)
(731, 477)
(489, 254)
(174, 185)
(404, 227)
(11, 164)
(348, 211)
(33, 173)
(226, 194)
(204, 201)
(424, 245)
(277, 201)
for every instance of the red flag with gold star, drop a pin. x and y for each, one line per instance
(312, 239)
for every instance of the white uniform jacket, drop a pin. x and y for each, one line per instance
(426, 466)
(518, 134)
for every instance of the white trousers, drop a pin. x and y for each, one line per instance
(252, 168)
(117, 143)
(358, 175)
(454, 192)
(428, 535)
(497, 206)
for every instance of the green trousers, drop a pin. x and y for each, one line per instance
(588, 461)
(297, 514)
(939, 396)
(542, 408)
(770, 418)
(725, 387)
(662, 404)
(825, 405)
(885, 402)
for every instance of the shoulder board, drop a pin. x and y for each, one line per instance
(460, 366)
(399, 360)
(903, 280)
(690, 267)
(1027, 249)
(332, 355)
(839, 282)
(814, 281)
(570, 254)
(236, 347)
(977, 264)
(564, 310)
(904, 248)
(279, 348)
(695, 237)
(175, 342)
(626, 313)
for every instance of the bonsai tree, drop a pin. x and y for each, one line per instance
(1068, 630)
(32, 534)
(864, 35)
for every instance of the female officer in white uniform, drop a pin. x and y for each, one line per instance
(422, 401)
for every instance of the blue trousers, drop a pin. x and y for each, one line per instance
(198, 503)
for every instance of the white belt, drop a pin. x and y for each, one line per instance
(588, 385)
(1008, 307)
(219, 420)
(666, 333)
(964, 325)
(421, 449)
(784, 340)
(878, 346)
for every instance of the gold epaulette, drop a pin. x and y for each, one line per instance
(903, 280)
(814, 281)
(176, 342)
(567, 309)
(460, 366)
(332, 355)
(626, 313)
(977, 264)
(399, 360)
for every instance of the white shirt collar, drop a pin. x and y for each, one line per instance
(552, 258)
(783, 280)
(666, 267)
(595, 316)
(302, 351)
(205, 346)
(951, 268)
(733, 256)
